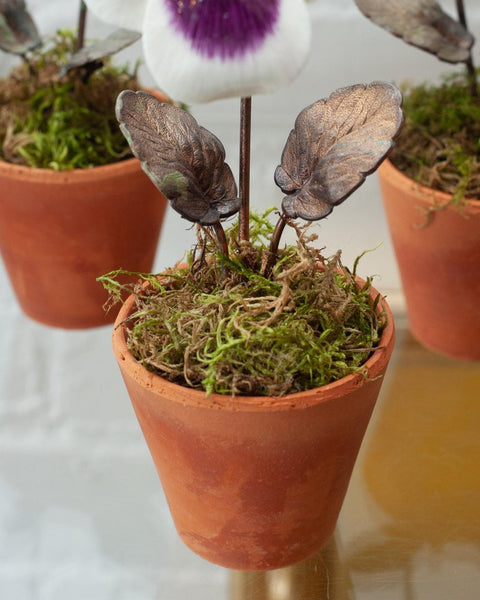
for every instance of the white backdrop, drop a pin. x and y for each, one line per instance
(82, 514)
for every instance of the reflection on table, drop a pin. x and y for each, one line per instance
(410, 525)
(322, 576)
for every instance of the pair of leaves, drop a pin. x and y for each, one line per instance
(421, 23)
(18, 33)
(336, 142)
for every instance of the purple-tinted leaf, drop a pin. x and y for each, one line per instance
(335, 144)
(92, 55)
(185, 161)
(421, 23)
(18, 33)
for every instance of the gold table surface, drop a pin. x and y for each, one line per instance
(410, 525)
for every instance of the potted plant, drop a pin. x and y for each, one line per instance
(69, 182)
(430, 182)
(254, 368)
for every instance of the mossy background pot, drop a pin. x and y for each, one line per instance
(439, 263)
(61, 230)
(253, 483)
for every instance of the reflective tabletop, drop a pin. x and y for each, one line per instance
(410, 525)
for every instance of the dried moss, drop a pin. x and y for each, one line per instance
(53, 123)
(221, 326)
(439, 144)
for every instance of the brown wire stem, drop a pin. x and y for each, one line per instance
(245, 130)
(221, 238)
(82, 19)
(274, 244)
(472, 74)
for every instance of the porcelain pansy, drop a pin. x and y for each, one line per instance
(203, 50)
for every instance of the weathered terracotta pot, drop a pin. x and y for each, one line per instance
(439, 264)
(61, 230)
(253, 483)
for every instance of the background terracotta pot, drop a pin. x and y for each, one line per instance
(61, 230)
(253, 482)
(439, 264)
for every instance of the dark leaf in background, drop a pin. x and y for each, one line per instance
(18, 33)
(421, 23)
(335, 144)
(185, 161)
(93, 54)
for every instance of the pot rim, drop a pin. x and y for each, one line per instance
(376, 365)
(429, 195)
(24, 173)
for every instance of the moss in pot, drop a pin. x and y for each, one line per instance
(254, 460)
(221, 326)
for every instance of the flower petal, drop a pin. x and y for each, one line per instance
(122, 13)
(199, 50)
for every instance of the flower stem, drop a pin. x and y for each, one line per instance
(245, 129)
(274, 243)
(469, 63)
(221, 238)
(82, 18)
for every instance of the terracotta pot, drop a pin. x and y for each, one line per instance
(439, 264)
(59, 231)
(253, 483)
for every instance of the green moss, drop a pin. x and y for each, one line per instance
(223, 327)
(439, 144)
(53, 123)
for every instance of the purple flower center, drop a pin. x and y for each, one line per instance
(224, 28)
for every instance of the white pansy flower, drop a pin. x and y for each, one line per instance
(202, 50)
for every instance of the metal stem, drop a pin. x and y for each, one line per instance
(461, 13)
(245, 130)
(472, 75)
(274, 244)
(221, 238)
(82, 19)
